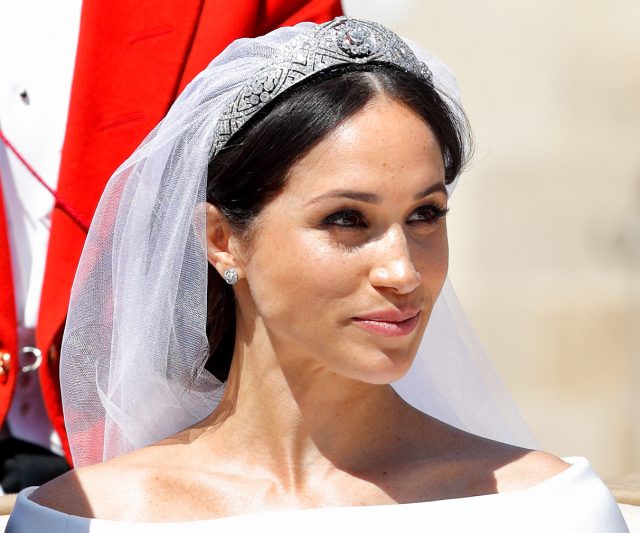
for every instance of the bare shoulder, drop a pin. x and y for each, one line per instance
(458, 464)
(102, 490)
(515, 468)
(527, 469)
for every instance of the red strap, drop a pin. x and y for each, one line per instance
(60, 203)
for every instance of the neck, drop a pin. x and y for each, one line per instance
(288, 413)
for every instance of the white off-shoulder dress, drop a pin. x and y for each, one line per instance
(573, 501)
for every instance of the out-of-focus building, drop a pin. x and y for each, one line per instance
(545, 226)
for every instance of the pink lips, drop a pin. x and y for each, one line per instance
(392, 323)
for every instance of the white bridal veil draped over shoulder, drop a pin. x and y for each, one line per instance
(135, 344)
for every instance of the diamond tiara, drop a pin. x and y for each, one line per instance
(341, 41)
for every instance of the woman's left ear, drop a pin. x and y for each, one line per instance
(220, 245)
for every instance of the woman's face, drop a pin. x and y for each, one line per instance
(347, 261)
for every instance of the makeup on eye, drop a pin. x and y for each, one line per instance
(346, 218)
(354, 218)
(430, 214)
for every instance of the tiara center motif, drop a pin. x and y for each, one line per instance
(356, 40)
(342, 41)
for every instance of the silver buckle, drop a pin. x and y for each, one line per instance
(36, 354)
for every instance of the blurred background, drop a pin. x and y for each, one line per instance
(545, 225)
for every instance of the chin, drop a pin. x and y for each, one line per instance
(386, 368)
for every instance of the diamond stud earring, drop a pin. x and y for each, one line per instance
(231, 276)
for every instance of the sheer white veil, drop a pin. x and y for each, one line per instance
(135, 343)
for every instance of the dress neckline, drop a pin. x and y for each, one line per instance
(579, 466)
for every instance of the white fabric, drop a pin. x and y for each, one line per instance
(631, 514)
(135, 340)
(574, 501)
(38, 41)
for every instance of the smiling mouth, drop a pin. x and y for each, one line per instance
(388, 328)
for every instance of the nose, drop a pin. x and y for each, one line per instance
(393, 267)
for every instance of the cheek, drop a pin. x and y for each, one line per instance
(434, 260)
(297, 276)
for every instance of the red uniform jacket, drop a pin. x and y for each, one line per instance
(133, 59)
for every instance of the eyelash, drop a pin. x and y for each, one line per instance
(435, 214)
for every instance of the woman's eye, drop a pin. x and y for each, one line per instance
(346, 219)
(427, 214)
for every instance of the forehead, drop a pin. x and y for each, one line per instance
(385, 148)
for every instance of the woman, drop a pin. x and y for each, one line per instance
(305, 176)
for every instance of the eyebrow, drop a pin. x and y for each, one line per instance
(372, 198)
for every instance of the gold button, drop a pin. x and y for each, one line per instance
(5, 364)
(53, 353)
